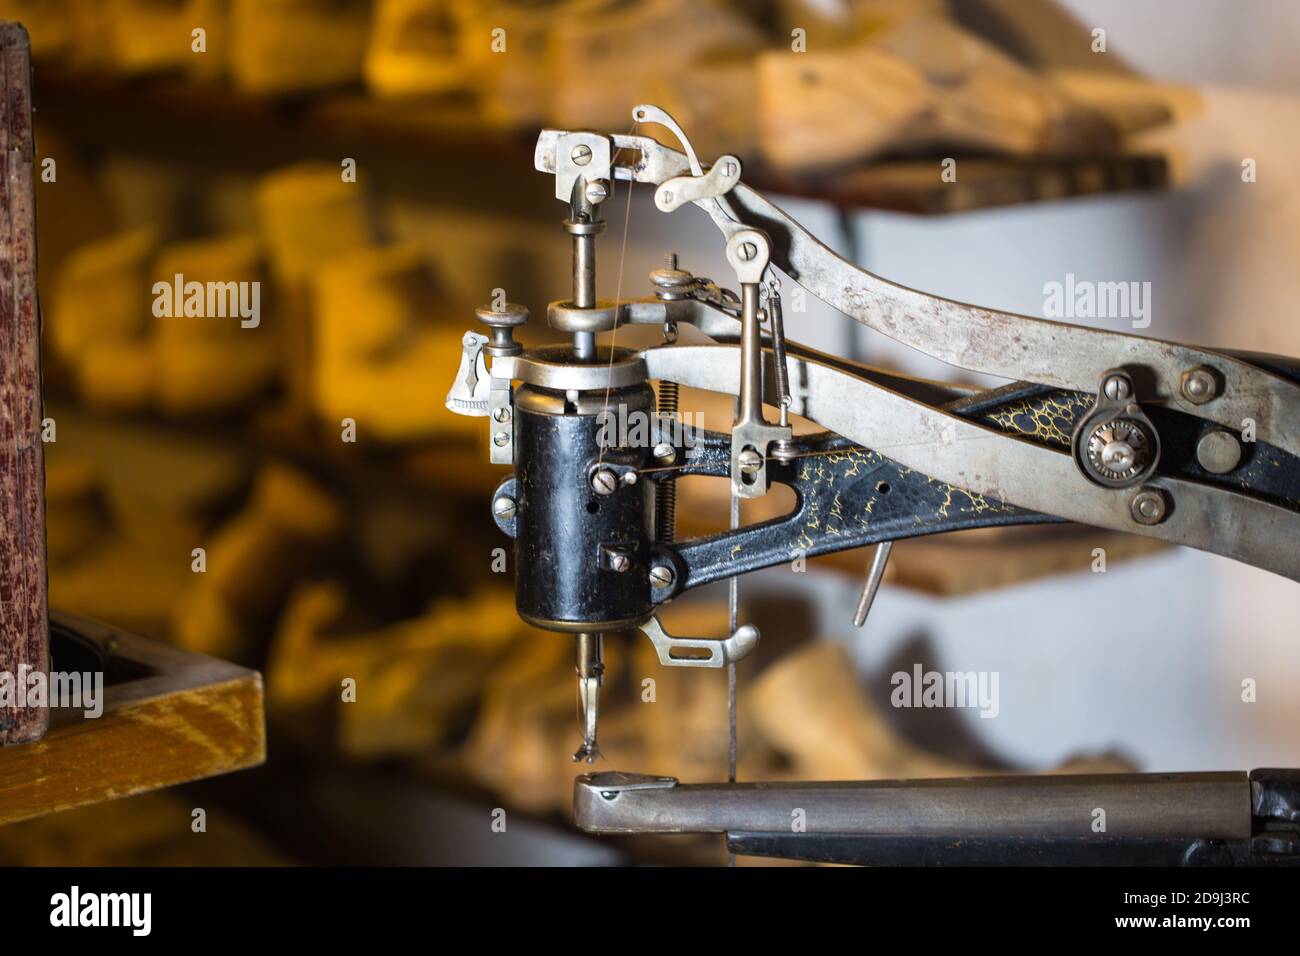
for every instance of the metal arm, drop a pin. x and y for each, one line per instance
(1216, 386)
(983, 460)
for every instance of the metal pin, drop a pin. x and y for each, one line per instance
(875, 574)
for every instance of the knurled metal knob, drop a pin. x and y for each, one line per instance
(1118, 451)
(503, 322)
(671, 282)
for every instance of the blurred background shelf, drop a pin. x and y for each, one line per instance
(167, 114)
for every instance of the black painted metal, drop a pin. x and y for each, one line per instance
(846, 497)
(565, 533)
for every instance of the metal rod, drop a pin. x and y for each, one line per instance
(1165, 805)
(751, 356)
(584, 346)
(584, 271)
(733, 607)
(584, 292)
(733, 622)
(875, 574)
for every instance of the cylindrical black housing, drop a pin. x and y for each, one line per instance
(570, 541)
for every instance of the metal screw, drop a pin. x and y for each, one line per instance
(665, 453)
(1116, 388)
(1218, 451)
(1200, 384)
(604, 482)
(1148, 506)
(597, 191)
(619, 562)
(501, 439)
(661, 576)
(750, 462)
(581, 154)
(670, 262)
(504, 507)
(747, 251)
(729, 168)
(501, 414)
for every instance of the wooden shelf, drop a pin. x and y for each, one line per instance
(176, 116)
(169, 717)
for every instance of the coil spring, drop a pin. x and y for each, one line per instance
(666, 490)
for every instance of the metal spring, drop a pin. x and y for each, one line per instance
(666, 489)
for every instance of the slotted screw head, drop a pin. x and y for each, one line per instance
(1116, 388)
(750, 461)
(504, 507)
(604, 482)
(581, 154)
(661, 576)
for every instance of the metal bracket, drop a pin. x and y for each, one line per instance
(501, 404)
(721, 651)
(578, 157)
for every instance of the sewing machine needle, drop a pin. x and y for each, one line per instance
(591, 669)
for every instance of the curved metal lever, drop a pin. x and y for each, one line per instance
(680, 190)
(721, 651)
(649, 113)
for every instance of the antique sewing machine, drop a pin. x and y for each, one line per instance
(1191, 446)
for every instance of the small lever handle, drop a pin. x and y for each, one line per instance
(720, 651)
(875, 574)
(718, 181)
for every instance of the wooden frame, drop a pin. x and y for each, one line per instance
(169, 717)
(24, 625)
